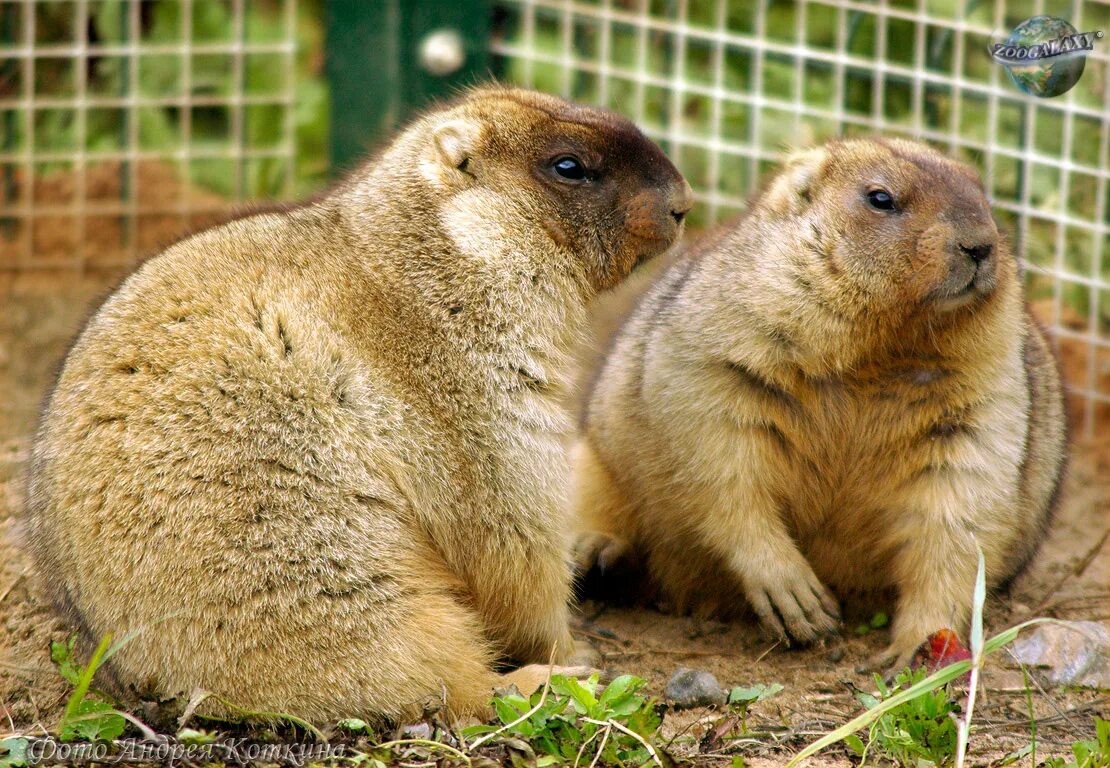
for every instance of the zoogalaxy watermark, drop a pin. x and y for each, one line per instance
(167, 751)
(1045, 55)
(1078, 43)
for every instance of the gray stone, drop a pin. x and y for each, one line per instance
(417, 731)
(694, 688)
(1067, 653)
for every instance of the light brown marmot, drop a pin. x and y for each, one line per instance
(843, 393)
(317, 455)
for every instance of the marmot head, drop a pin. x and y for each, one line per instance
(586, 178)
(891, 225)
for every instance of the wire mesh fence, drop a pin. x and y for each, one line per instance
(726, 85)
(123, 122)
(126, 122)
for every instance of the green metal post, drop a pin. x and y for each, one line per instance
(378, 73)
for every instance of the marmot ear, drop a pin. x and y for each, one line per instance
(790, 191)
(455, 142)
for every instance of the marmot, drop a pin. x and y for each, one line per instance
(842, 394)
(318, 456)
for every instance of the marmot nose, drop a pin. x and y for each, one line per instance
(977, 253)
(682, 200)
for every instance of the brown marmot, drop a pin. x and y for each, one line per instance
(317, 456)
(844, 393)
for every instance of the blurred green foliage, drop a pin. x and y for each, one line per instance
(840, 95)
(943, 108)
(210, 77)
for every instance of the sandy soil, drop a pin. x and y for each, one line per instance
(41, 312)
(129, 210)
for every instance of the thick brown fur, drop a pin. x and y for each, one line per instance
(315, 456)
(830, 400)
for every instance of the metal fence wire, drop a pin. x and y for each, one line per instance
(123, 122)
(727, 85)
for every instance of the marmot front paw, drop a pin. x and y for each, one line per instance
(793, 604)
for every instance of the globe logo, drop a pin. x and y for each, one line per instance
(1045, 55)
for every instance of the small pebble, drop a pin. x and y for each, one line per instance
(836, 655)
(417, 731)
(693, 688)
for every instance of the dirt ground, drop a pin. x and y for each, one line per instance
(41, 312)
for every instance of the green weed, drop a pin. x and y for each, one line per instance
(88, 715)
(572, 720)
(1088, 753)
(13, 752)
(878, 621)
(922, 729)
(741, 699)
(920, 686)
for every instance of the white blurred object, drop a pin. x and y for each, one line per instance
(442, 52)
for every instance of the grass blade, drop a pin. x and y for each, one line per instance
(979, 597)
(933, 681)
(82, 688)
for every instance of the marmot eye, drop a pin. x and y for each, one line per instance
(880, 200)
(569, 168)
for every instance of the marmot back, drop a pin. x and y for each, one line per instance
(316, 456)
(843, 393)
